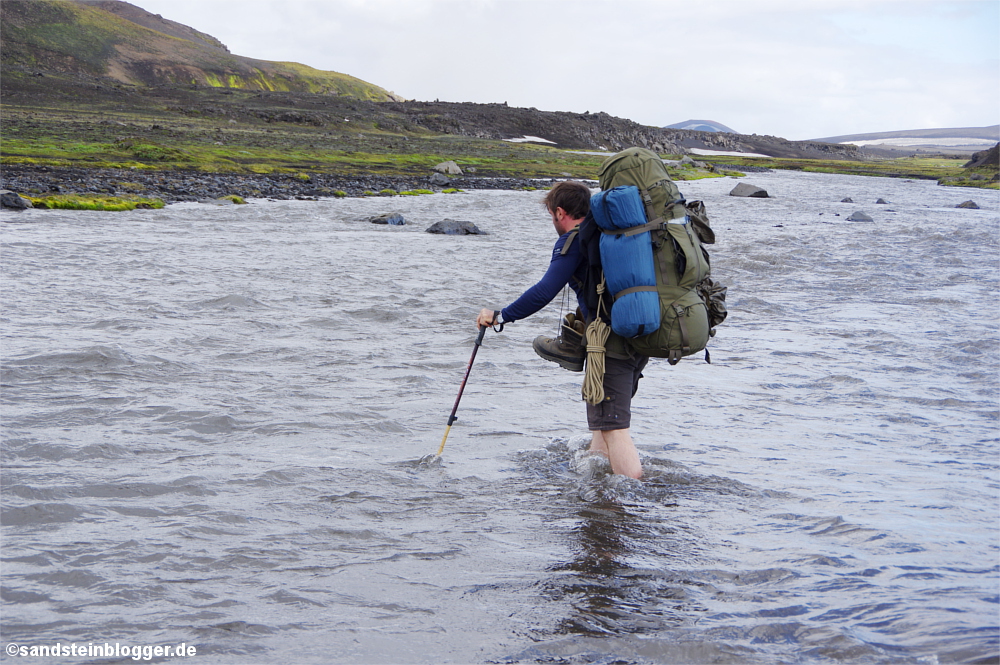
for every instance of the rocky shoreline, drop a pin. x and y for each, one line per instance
(180, 186)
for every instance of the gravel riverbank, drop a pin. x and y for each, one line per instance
(178, 186)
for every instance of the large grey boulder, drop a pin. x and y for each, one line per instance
(970, 204)
(390, 218)
(9, 199)
(439, 179)
(858, 216)
(687, 161)
(882, 201)
(748, 190)
(452, 227)
(449, 168)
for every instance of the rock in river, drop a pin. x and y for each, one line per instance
(391, 218)
(455, 228)
(969, 204)
(752, 191)
(9, 199)
(858, 216)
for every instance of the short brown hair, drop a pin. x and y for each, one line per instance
(572, 196)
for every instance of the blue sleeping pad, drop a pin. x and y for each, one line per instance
(627, 261)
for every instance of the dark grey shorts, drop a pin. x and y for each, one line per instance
(621, 380)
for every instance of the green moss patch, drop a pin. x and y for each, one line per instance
(983, 181)
(148, 151)
(107, 203)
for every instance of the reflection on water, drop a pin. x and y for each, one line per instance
(611, 595)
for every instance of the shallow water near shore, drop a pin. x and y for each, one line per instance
(217, 423)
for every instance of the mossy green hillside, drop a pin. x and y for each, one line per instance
(33, 33)
(86, 38)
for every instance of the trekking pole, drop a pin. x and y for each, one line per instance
(452, 418)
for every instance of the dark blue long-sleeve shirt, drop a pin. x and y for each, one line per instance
(563, 269)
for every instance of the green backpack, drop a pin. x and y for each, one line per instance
(691, 303)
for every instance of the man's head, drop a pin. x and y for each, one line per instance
(568, 202)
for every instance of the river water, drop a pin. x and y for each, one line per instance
(216, 423)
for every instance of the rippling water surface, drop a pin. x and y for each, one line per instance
(214, 420)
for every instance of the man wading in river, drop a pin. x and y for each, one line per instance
(568, 204)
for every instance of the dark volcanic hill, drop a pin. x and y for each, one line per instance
(128, 44)
(985, 158)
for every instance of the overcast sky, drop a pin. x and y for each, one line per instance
(799, 69)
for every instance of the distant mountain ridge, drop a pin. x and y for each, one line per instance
(702, 126)
(128, 44)
(991, 133)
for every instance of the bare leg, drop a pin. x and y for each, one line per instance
(617, 445)
(597, 443)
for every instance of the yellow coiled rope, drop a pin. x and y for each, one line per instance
(596, 336)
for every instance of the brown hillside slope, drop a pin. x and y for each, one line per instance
(124, 42)
(989, 158)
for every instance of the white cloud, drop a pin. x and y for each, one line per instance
(785, 67)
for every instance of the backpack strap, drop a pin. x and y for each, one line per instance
(666, 274)
(573, 233)
(676, 354)
(632, 289)
(647, 200)
(657, 225)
